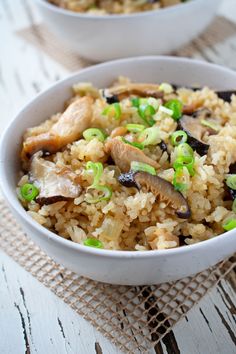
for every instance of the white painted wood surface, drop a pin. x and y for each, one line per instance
(32, 319)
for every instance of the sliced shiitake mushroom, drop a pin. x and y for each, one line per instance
(161, 188)
(195, 130)
(137, 89)
(226, 95)
(109, 97)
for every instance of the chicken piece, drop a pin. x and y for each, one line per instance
(70, 126)
(119, 131)
(123, 154)
(54, 183)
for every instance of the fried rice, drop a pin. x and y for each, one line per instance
(132, 217)
(103, 7)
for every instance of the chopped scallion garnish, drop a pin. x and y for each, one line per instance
(176, 106)
(210, 124)
(113, 110)
(135, 128)
(178, 137)
(140, 166)
(179, 180)
(185, 161)
(134, 143)
(150, 136)
(97, 169)
(93, 242)
(29, 192)
(166, 88)
(106, 194)
(231, 181)
(92, 133)
(146, 112)
(184, 150)
(230, 224)
(135, 102)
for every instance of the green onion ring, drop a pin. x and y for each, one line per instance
(92, 133)
(107, 193)
(135, 128)
(185, 161)
(97, 169)
(178, 183)
(113, 109)
(29, 192)
(145, 112)
(178, 137)
(231, 181)
(176, 106)
(150, 136)
(230, 224)
(184, 150)
(140, 166)
(93, 242)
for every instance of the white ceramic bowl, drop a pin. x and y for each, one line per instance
(117, 267)
(101, 38)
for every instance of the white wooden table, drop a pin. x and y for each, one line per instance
(32, 319)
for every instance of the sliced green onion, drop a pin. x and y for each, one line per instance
(178, 137)
(143, 101)
(140, 166)
(176, 106)
(135, 102)
(93, 242)
(134, 143)
(166, 88)
(135, 128)
(234, 206)
(107, 193)
(165, 110)
(231, 181)
(92, 133)
(145, 112)
(150, 136)
(229, 225)
(184, 150)
(185, 161)
(97, 169)
(210, 124)
(153, 102)
(113, 109)
(179, 180)
(29, 192)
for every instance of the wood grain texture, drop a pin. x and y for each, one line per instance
(32, 319)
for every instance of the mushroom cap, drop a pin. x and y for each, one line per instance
(161, 189)
(53, 182)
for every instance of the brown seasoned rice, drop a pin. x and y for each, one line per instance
(134, 219)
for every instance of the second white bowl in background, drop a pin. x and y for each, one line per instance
(101, 38)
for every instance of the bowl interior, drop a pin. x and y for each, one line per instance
(147, 69)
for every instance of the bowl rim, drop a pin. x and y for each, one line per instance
(67, 12)
(43, 231)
